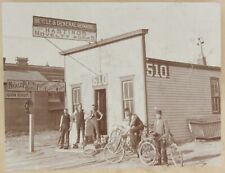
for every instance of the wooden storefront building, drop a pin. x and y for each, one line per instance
(122, 75)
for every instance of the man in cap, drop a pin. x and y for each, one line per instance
(160, 132)
(136, 126)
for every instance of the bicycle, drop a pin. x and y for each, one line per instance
(96, 147)
(148, 153)
(118, 144)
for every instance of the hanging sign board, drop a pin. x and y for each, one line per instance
(22, 85)
(64, 29)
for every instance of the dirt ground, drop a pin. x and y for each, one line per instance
(48, 156)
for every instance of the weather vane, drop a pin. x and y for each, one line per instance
(200, 43)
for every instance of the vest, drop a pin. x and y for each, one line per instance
(137, 122)
(65, 121)
(80, 117)
(159, 127)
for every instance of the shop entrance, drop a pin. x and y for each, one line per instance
(100, 100)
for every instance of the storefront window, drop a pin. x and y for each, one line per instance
(76, 94)
(215, 94)
(128, 98)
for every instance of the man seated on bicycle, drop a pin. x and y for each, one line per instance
(160, 133)
(135, 127)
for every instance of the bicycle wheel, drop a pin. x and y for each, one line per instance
(147, 153)
(176, 156)
(114, 136)
(89, 152)
(113, 154)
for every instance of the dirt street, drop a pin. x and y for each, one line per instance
(48, 156)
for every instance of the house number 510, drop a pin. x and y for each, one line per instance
(157, 70)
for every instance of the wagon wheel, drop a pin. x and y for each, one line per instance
(176, 155)
(147, 153)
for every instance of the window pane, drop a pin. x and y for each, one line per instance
(76, 96)
(127, 95)
(130, 90)
(125, 90)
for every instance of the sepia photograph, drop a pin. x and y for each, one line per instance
(111, 85)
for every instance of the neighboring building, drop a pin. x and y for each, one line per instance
(123, 76)
(23, 82)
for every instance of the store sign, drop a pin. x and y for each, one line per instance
(20, 95)
(21, 85)
(157, 69)
(100, 80)
(64, 29)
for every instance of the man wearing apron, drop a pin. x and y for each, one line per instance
(95, 116)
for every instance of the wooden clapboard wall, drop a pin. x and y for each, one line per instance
(184, 93)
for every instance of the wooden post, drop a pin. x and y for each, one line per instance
(145, 82)
(31, 132)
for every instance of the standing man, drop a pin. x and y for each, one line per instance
(64, 128)
(95, 116)
(80, 123)
(161, 132)
(136, 126)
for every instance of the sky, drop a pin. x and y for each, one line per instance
(174, 29)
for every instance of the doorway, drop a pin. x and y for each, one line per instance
(100, 101)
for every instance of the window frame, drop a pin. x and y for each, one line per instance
(126, 79)
(76, 87)
(213, 96)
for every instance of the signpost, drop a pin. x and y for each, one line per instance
(64, 29)
(28, 107)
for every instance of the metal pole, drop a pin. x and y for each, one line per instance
(31, 133)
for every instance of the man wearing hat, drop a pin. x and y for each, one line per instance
(95, 116)
(136, 126)
(160, 132)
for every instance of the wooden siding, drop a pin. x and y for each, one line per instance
(185, 94)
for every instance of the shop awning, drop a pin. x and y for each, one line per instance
(21, 75)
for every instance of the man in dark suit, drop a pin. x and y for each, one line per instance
(64, 128)
(80, 123)
(136, 126)
(161, 132)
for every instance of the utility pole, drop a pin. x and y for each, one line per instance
(200, 43)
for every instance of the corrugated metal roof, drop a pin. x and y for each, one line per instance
(23, 75)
